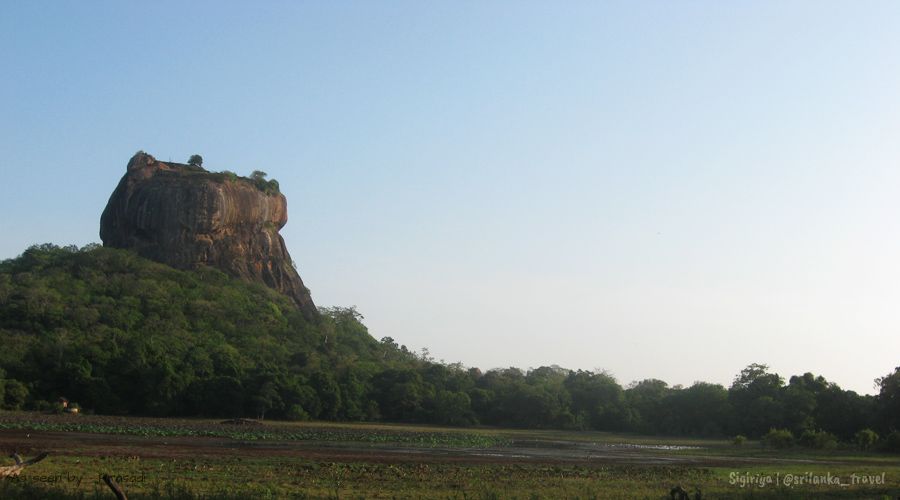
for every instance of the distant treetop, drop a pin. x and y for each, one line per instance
(195, 160)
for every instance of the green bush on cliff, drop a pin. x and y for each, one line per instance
(258, 178)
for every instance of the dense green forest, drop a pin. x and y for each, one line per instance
(123, 335)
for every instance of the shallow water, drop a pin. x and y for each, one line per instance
(667, 447)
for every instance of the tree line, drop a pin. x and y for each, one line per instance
(119, 334)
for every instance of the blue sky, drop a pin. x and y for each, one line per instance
(659, 189)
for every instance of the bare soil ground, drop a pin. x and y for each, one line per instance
(535, 451)
(197, 458)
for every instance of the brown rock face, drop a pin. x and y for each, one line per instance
(185, 217)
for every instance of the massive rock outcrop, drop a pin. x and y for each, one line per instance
(185, 217)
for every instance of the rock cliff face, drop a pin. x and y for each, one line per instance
(185, 217)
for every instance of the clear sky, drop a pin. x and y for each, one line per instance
(659, 189)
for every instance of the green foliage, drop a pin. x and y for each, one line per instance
(645, 398)
(739, 440)
(296, 413)
(15, 394)
(778, 438)
(755, 397)
(892, 442)
(121, 334)
(866, 439)
(124, 335)
(700, 410)
(598, 401)
(454, 408)
(888, 400)
(258, 178)
(195, 160)
(819, 440)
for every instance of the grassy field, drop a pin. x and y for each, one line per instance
(169, 458)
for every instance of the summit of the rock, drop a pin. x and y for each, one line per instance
(184, 216)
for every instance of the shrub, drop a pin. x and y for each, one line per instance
(14, 395)
(820, 440)
(778, 438)
(866, 439)
(258, 178)
(892, 442)
(195, 160)
(296, 413)
(739, 440)
(44, 406)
